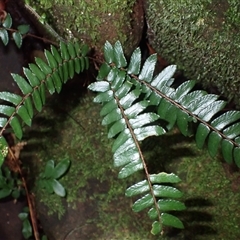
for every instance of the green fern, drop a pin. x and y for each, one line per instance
(127, 91)
(123, 110)
(51, 75)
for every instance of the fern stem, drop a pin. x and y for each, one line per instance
(46, 40)
(13, 114)
(143, 160)
(45, 28)
(29, 196)
(185, 110)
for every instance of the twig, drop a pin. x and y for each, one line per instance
(46, 40)
(14, 157)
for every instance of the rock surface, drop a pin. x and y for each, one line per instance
(94, 22)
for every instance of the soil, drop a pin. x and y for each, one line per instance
(10, 224)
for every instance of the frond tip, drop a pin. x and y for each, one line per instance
(166, 202)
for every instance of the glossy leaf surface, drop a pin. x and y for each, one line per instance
(17, 37)
(58, 188)
(61, 168)
(4, 36)
(126, 112)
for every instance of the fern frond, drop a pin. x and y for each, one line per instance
(182, 106)
(126, 92)
(126, 113)
(51, 75)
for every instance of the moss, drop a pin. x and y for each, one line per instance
(86, 147)
(233, 13)
(200, 37)
(94, 21)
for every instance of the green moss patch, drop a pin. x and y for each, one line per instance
(94, 22)
(201, 38)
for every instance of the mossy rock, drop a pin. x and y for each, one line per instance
(94, 22)
(201, 37)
